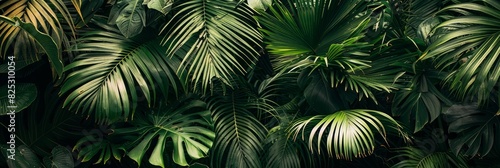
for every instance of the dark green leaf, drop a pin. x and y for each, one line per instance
(129, 16)
(25, 94)
(477, 130)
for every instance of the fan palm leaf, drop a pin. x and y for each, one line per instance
(349, 133)
(310, 27)
(220, 36)
(111, 72)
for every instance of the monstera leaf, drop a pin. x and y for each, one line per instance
(185, 126)
(477, 130)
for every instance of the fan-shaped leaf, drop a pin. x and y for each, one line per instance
(310, 27)
(349, 133)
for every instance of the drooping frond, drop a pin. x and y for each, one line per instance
(112, 74)
(239, 135)
(220, 36)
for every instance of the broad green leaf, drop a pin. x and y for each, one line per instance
(20, 64)
(163, 6)
(182, 123)
(129, 16)
(24, 157)
(87, 11)
(322, 98)
(44, 40)
(419, 105)
(138, 151)
(25, 94)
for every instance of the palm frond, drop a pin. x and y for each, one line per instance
(45, 41)
(239, 135)
(310, 27)
(220, 36)
(418, 158)
(280, 151)
(43, 15)
(349, 133)
(111, 72)
(472, 37)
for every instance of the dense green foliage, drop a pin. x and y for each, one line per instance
(257, 83)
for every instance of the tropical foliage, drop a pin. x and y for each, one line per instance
(257, 83)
